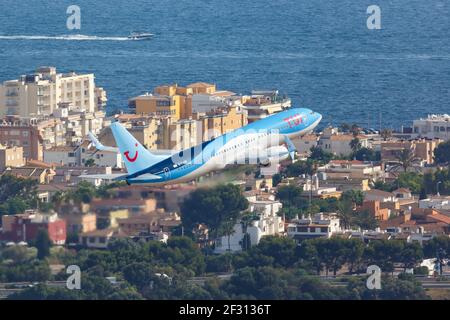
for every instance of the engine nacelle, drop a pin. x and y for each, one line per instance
(273, 155)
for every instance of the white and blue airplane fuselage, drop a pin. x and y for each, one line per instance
(260, 142)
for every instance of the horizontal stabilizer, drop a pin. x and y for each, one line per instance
(99, 146)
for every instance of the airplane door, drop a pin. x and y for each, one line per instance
(166, 173)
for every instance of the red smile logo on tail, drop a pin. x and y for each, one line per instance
(127, 155)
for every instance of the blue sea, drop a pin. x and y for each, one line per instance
(320, 53)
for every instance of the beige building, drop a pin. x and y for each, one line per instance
(11, 157)
(220, 121)
(41, 93)
(177, 135)
(305, 143)
(156, 132)
(80, 223)
(421, 148)
(16, 132)
(181, 102)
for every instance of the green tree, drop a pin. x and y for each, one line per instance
(43, 244)
(411, 255)
(354, 250)
(442, 153)
(14, 205)
(89, 162)
(282, 249)
(423, 193)
(435, 245)
(355, 196)
(366, 154)
(17, 194)
(320, 155)
(365, 220)
(289, 195)
(410, 180)
(384, 253)
(213, 207)
(276, 179)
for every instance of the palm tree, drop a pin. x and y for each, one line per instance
(406, 158)
(355, 144)
(311, 170)
(355, 129)
(228, 230)
(386, 134)
(345, 213)
(246, 220)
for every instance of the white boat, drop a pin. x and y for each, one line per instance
(136, 35)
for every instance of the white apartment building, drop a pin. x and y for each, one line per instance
(79, 155)
(262, 104)
(42, 92)
(434, 126)
(320, 225)
(352, 169)
(266, 222)
(379, 195)
(339, 143)
(206, 102)
(437, 202)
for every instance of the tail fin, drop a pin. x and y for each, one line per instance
(135, 156)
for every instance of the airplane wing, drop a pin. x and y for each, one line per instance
(146, 176)
(99, 146)
(164, 152)
(120, 176)
(113, 176)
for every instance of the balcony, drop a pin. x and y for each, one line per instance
(12, 93)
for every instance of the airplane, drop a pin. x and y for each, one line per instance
(260, 142)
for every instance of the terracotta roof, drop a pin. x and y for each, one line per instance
(309, 137)
(439, 218)
(25, 171)
(37, 163)
(60, 149)
(118, 202)
(110, 232)
(345, 137)
(141, 219)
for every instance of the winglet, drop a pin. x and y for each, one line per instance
(290, 146)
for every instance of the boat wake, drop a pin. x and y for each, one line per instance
(75, 37)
